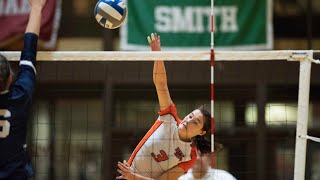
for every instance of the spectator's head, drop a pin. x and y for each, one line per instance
(202, 163)
(5, 74)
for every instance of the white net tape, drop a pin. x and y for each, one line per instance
(167, 55)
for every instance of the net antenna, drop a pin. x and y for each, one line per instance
(304, 57)
(212, 58)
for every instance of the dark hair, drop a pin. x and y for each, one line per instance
(203, 142)
(5, 70)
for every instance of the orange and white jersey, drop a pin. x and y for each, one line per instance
(161, 148)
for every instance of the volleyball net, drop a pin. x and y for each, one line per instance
(166, 56)
(258, 108)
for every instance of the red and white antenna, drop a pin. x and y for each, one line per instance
(212, 59)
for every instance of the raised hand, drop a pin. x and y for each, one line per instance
(37, 3)
(154, 42)
(35, 16)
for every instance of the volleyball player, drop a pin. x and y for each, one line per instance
(15, 102)
(202, 170)
(168, 149)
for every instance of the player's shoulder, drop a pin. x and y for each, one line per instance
(167, 118)
(169, 114)
(169, 110)
(18, 92)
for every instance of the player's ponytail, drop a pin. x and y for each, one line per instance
(203, 142)
(202, 145)
(5, 70)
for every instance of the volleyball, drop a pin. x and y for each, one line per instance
(110, 13)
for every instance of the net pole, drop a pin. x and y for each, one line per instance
(302, 121)
(212, 59)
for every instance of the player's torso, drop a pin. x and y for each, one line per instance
(162, 151)
(13, 124)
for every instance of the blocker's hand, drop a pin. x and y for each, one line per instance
(154, 42)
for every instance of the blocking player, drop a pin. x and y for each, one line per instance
(15, 101)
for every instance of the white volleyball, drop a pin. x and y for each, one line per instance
(110, 13)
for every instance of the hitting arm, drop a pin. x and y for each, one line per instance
(159, 75)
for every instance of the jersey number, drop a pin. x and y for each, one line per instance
(4, 124)
(160, 157)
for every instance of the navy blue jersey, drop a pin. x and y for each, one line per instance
(15, 106)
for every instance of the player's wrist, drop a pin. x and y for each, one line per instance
(36, 8)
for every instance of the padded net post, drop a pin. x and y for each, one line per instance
(302, 121)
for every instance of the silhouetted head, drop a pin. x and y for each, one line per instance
(5, 73)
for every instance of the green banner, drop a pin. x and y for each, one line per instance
(186, 24)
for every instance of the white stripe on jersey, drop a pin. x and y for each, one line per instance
(28, 63)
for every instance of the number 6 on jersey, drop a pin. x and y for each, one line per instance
(4, 124)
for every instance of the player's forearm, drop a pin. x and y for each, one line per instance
(34, 20)
(159, 74)
(29, 51)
